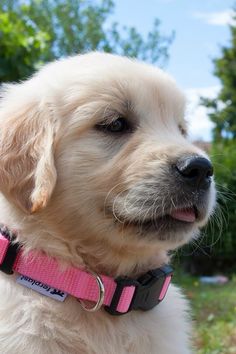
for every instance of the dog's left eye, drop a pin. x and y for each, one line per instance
(120, 125)
(182, 130)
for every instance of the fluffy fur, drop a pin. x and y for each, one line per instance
(81, 194)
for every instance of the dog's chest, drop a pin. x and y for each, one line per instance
(28, 319)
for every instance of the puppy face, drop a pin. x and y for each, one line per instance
(133, 173)
(118, 166)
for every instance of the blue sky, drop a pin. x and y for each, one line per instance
(201, 28)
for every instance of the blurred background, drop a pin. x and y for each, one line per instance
(195, 41)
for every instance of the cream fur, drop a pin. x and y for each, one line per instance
(66, 186)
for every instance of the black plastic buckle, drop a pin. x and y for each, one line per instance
(147, 293)
(10, 257)
(121, 284)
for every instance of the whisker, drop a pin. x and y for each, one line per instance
(108, 194)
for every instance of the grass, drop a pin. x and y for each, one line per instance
(214, 313)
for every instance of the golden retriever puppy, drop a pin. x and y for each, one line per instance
(96, 174)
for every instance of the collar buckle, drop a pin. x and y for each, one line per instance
(150, 290)
(12, 250)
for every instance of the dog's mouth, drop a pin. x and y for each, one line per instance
(188, 215)
(179, 218)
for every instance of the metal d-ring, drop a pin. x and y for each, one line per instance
(99, 303)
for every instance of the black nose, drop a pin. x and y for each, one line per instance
(196, 171)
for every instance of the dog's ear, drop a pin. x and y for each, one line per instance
(27, 170)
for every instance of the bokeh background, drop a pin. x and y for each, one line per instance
(195, 41)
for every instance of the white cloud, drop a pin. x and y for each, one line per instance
(200, 127)
(221, 18)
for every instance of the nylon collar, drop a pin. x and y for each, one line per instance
(121, 295)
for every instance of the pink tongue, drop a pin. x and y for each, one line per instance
(187, 215)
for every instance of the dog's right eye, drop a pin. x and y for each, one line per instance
(120, 125)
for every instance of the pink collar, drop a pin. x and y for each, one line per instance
(121, 294)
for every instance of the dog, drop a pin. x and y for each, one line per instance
(97, 174)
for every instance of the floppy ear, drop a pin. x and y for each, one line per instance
(27, 170)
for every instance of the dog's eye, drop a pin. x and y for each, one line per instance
(182, 130)
(120, 125)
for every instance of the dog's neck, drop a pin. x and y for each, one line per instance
(97, 255)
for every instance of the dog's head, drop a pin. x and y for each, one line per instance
(98, 143)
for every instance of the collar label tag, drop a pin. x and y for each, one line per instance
(41, 288)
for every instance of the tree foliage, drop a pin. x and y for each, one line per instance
(36, 31)
(222, 111)
(224, 158)
(21, 47)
